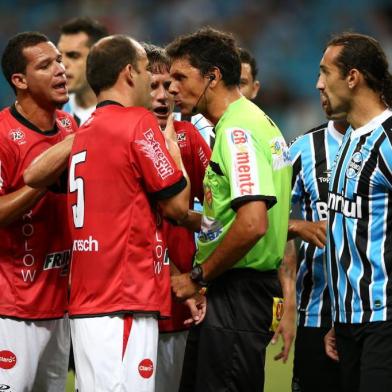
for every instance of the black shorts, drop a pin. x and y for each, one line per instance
(365, 356)
(227, 351)
(313, 369)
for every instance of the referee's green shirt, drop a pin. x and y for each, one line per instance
(250, 161)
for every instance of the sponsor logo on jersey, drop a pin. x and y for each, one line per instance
(58, 260)
(203, 157)
(5, 387)
(152, 150)
(355, 165)
(146, 368)
(208, 195)
(242, 162)
(322, 210)
(181, 137)
(349, 208)
(7, 359)
(17, 135)
(65, 122)
(280, 153)
(87, 245)
(325, 179)
(211, 229)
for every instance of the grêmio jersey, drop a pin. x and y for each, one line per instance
(249, 162)
(180, 241)
(119, 167)
(359, 251)
(312, 155)
(35, 250)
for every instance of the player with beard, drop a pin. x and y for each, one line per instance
(180, 241)
(356, 83)
(35, 246)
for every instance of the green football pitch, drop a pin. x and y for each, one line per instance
(277, 374)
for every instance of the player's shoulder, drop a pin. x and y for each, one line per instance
(65, 121)
(184, 126)
(304, 138)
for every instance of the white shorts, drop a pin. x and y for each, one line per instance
(171, 350)
(34, 354)
(115, 353)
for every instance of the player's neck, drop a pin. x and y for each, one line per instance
(365, 108)
(42, 117)
(86, 98)
(220, 102)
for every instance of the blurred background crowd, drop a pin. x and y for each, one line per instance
(286, 36)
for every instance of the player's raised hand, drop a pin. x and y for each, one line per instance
(169, 132)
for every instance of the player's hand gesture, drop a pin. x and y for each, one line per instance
(313, 232)
(330, 345)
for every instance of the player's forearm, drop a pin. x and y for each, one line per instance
(192, 221)
(15, 204)
(248, 227)
(48, 166)
(287, 275)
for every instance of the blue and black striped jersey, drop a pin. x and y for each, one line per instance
(312, 155)
(360, 224)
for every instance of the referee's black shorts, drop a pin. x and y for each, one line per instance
(365, 356)
(313, 369)
(226, 353)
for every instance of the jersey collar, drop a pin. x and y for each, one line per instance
(24, 121)
(334, 132)
(108, 102)
(371, 125)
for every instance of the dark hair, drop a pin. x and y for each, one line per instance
(247, 58)
(209, 48)
(13, 59)
(107, 59)
(158, 59)
(365, 54)
(94, 29)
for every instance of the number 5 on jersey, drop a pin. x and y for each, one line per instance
(76, 184)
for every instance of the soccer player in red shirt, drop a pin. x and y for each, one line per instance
(179, 241)
(120, 169)
(35, 245)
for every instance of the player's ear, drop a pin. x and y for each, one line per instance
(128, 73)
(19, 81)
(353, 78)
(256, 88)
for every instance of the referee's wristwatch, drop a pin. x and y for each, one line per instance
(196, 275)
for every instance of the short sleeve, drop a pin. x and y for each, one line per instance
(158, 170)
(296, 160)
(247, 163)
(8, 164)
(385, 162)
(201, 153)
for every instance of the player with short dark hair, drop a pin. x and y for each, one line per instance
(249, 85)
(356, 85)
(76, 38)
(120, 168)
(35, 247)
(246, 190)
(180, 241)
